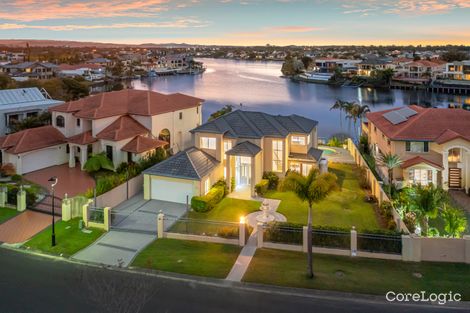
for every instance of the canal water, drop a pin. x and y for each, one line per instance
(259, 86)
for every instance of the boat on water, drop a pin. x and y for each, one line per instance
(191, 70)
(314, 77)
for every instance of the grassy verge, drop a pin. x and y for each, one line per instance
(188, 257)
(7, 213)
(345, 207)
(69, 238)
(358, 275)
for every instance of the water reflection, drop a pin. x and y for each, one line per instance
(258, 86)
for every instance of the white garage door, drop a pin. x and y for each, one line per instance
(40, 159)
(172, 191)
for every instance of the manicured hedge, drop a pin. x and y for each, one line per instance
(208, 202)
(272, 178)
(262, 187)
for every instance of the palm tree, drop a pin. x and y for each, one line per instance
(339, 105)
(94, 164)
(357, 112)
(427, 202)
(390, 161)
(311, 188)
(455, 222)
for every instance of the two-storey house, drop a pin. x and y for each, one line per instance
(126, 125)
(238, 146)
(434, 144)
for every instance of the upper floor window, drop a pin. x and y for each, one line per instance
(454, 155)
(277, 155)
(417, 146)
(298, 140)
(227, 146)
(309, 139)
(181, 115)
(60, 121)
(208, 143)
(78, 122)
(197, 110)
(207, 186)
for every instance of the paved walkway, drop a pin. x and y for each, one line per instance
(341, 155)
(24, 226)
(246, 255)
(72, 181)
(134, 227)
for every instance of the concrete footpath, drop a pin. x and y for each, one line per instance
(116, 248)
(244, 259)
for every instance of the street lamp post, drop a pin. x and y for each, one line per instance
(53, 180)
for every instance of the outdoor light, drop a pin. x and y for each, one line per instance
(242, 220)
(53, 180)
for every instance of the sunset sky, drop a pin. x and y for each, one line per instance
(232, 22)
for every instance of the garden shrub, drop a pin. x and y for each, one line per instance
(272, 178)
(334, 142)
(209, 201)
(16, 178)
(262, 187)
(232, 184)
(363, 182)
(222, 183)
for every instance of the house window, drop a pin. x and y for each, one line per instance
(197, 110)
(60, 121)
(308, 139)
(208, 143)
(207, 186)
(109, 152)
(454, 155)
(181, 115)
(277, 155)
(417, 146)
(306, 167)
(298, 140)
(420, 176)
(78, 122)
(227, 146)
(295, 167)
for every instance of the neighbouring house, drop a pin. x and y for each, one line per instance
(29, 70)
(33, 149)
(240, 145)
(433, 143)
(329, 65)
(101, 62)
(18, 104)
(126, 125)
(366, 67)
(90, 72)
(420, 72)
(458, 70)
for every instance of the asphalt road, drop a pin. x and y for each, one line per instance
(31, 283)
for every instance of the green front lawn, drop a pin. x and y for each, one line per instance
(345, 207)
(360, 275)
(188, 257)
(69, 238)
(7, 213)
(228, 210)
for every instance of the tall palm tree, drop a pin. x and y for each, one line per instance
(427, 202)
(311, 188)
(339, 105)
(390, 161)
(357, 112)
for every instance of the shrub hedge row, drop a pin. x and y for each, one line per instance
(262, 187)
(207, 202)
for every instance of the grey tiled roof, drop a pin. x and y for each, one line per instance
(22, 97)
(312, 154)
(191, 163)
(245, 148)
(248, 124)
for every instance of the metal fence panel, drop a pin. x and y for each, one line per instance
(331, 239)
(379, 243)
(283, 234)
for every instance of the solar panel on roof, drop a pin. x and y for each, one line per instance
(394, 117)
(406, 112)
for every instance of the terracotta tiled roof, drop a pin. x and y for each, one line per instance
(430, 124)
(127, 101)
(419, 159)
(142, 144)
(124, 127)
(84, 138)
(32, 139)
(426, 63)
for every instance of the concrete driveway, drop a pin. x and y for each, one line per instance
(134, 227)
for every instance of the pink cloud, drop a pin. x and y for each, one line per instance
(35, 10)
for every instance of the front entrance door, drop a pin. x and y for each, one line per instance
(242, 170)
